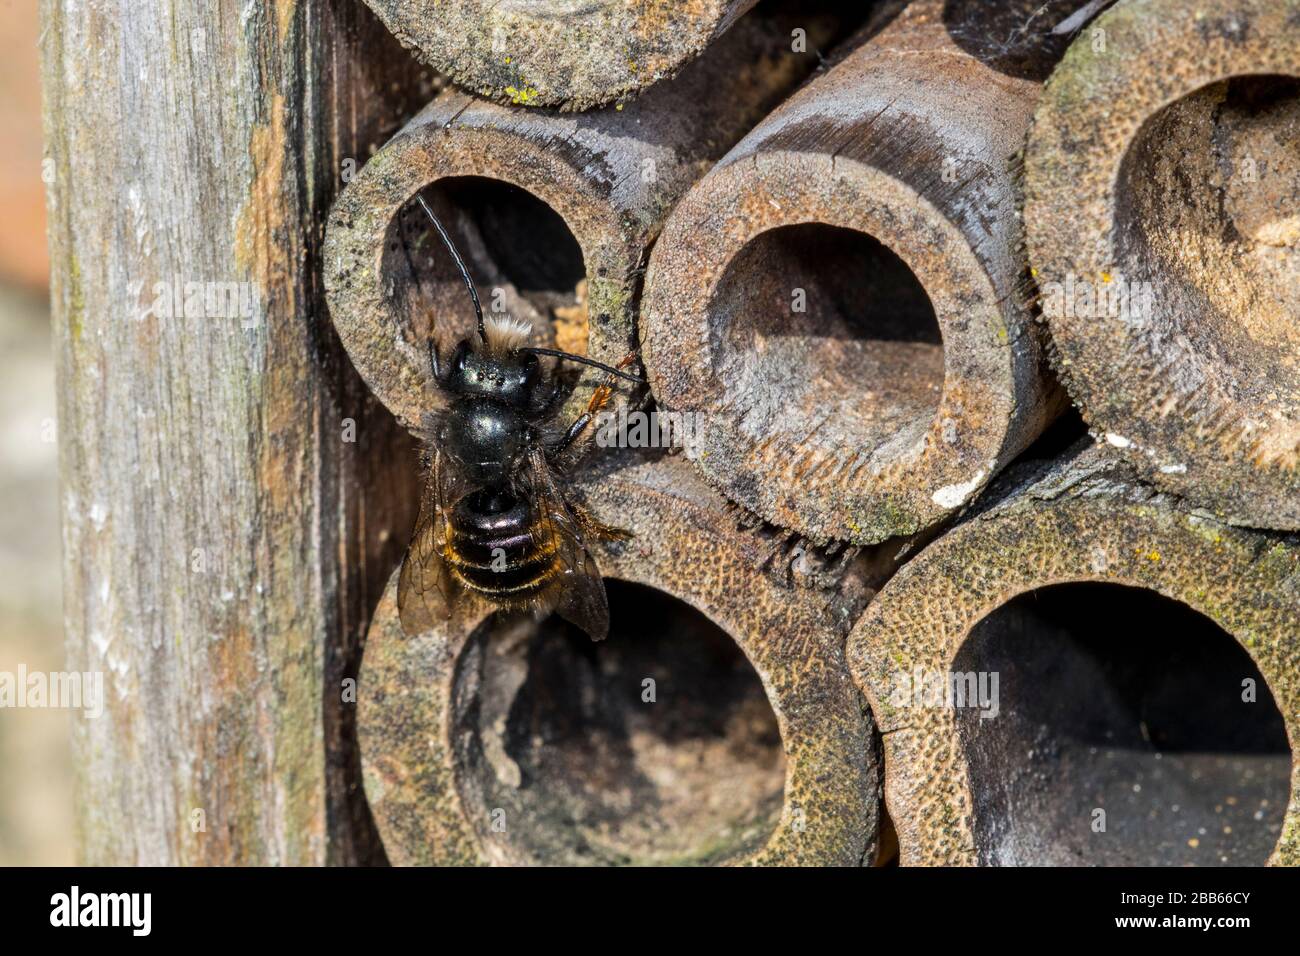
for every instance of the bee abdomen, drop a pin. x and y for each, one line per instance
(493, 548)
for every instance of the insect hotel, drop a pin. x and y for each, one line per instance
(715, 433)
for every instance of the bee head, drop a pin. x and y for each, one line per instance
(508, 377)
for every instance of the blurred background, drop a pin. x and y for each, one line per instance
(35, 762)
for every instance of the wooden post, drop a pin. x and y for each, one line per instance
(225, 529)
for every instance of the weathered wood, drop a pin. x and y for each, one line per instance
(1162, 182)
(842, 298)
(224, 537)
(1024, 787)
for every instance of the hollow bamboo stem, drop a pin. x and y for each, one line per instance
(610, 176)
(1087, 757)
(1162, 179)
(572, 55)
(842, 299)
(466, 729)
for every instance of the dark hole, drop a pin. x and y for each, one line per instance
(525, 237)
(1016, 37)
(1067, 430)
(1119, 700)
(556, 734)
(824, 323)
(510, 240)
(856, 287)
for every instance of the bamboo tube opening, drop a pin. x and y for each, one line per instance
(523, 258)
(487, 740)
(855, 419)
(611, 175)
(887, 402)
(1162, 177)
(657, 746)
(1057, 671)
(1215, 178)
(1123, 715)
(827, 330)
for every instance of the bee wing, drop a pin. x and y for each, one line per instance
(578, 592)
(580, 597)
(426, 591)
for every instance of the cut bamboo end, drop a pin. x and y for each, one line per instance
(575, 54)
(840, 301)
(554, 212)
(716, 724)
(1141, 664)
(1163, 179)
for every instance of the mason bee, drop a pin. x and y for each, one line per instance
(495, 520)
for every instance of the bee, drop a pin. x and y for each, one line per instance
(495, 519)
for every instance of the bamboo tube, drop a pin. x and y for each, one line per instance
(1146, 723)
(572, 201)
(575, 54)
(1164, 165)
(840, 299)
(489, 743)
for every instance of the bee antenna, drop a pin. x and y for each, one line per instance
(570, 357)
(460, 264)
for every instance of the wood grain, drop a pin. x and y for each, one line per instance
(223, 540)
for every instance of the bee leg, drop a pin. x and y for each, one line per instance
(592, 527)
(434, 366)
(599, 399)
